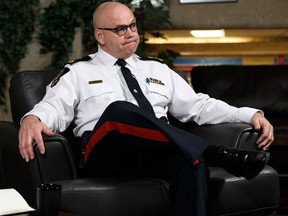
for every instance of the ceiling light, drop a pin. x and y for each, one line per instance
(208, 33)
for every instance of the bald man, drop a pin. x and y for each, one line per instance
(119, 104)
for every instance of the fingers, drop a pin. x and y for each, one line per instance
(267, 137)
(25, 146)
(31, 131)
(39, 138)
(47, 131)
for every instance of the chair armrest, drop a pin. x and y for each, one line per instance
(57, 163)
(14, 171)
(234, 135)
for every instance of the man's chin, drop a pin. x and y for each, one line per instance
(130, 50)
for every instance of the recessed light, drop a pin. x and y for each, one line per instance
(208, 33)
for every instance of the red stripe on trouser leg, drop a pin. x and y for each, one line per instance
(123, 129)
(196, 162)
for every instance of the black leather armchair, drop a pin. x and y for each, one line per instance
(229, 195)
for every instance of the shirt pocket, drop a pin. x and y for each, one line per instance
(98, 95)
(158, 94)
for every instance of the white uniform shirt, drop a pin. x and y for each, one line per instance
(83, 93)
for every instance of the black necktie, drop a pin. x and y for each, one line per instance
(134, 87)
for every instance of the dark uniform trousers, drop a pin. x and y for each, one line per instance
(128, 142)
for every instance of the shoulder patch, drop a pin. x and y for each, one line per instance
(152, 59)
(85, 58)
(61, 73)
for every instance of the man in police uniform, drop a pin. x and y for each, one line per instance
(94, 95)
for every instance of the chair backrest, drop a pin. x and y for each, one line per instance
(261, 86)
(26, 89)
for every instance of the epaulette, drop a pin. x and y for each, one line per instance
(85, 58)
(61, 73)
(65, 69)
(152, 59)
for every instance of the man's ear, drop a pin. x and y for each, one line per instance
(99, 36)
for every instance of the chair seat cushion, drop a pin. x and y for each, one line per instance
(108, 197)
(230, 195)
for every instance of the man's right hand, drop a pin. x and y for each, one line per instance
(31, 130)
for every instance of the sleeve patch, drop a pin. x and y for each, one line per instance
(57, 78)
(65, 69)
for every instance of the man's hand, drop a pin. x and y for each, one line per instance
(31, 129)
(266, 138)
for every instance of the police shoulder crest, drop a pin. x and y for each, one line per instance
(61, 73)
(152, 59)
(66, 69)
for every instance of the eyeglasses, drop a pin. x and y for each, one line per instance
(122, 30)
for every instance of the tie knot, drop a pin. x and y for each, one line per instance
(121, 62)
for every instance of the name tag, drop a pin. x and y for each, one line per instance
(95, 82)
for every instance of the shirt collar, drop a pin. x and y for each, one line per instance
(105, 58)
(109, 61)
(131, 61)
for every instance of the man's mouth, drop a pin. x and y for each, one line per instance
(129, 41)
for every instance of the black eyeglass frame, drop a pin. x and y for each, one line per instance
(132, 26)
